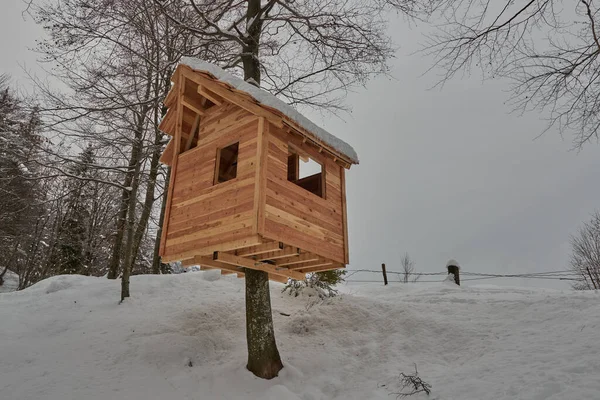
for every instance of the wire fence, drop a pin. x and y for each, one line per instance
(415, 277)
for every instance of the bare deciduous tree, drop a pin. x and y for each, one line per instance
(585, 257)
(116, 59)
(548, 48)
(408, 270)
(307, 52)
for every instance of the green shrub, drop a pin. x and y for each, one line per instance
(319, 283)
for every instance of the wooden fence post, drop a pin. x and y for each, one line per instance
(454, 269)
(384, 274)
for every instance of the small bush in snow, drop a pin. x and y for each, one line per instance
(412, 384)
(319, 283)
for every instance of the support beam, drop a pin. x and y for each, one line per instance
(227, 246)
(297, 260)
(344, 216)
(321, 262)
(209, 262)
(216, 99)
(192, 134)
(259, 249)
(238, 98)
(247, 263)
(193, 104)
(287, 252)
(176, 151)
(260, 177)
(188, 263)
(324, 268)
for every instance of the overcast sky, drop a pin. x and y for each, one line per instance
(443, 174)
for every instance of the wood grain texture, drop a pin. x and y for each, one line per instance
(260, 210)
(176, 149)
(235, 243)
(260, 188)
(294, 215)
(202, 214)
(211, 87)
(344, 215)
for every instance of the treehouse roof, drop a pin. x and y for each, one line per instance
(274, 109)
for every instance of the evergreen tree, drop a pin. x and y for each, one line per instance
(19, 191)
(68, 256)
(17, 136)
(322, 283)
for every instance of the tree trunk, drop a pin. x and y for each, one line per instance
(263, 356)
(130, 229)
(148, 201)
(157, 266)
(249, 54)
(133, 170)
(115, 258)
(156, 263)
(11, 261)
(132, 201)
(2, 275)
(154, 169)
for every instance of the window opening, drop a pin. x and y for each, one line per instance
(227, 159)
(305, 172)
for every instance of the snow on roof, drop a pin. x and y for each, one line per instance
(270, 100)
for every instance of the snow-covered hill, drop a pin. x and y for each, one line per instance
(183, 337)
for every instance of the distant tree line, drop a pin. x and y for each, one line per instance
(82, 186)
(56, 215)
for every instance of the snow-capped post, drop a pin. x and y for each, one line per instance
(384, 274)
(454, 269)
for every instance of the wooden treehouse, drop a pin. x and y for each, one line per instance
(238, 196)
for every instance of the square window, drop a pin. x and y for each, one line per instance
(305, 172)
(226, 167)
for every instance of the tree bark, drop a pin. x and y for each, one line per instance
(156, 263)
(162, 85)
(128, 195)
(263, 357)
(2, 275)
(252, 40)
(115, 259)
(148, 201)
(132, 199)
(127, 264)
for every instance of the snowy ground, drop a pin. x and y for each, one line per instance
(67, 338)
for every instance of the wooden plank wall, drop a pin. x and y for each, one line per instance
(204, 214)
(296, 216)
